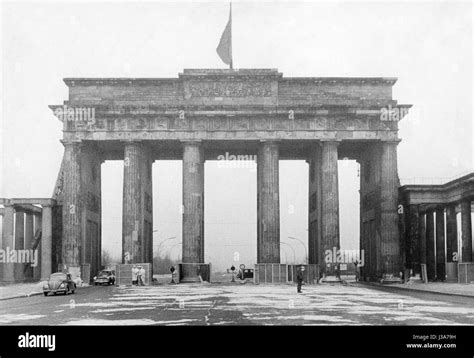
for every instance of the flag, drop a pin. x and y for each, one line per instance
(224, 49)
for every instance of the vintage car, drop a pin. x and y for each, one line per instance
(59, 282)
(105, 277)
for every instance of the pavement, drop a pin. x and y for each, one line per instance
(239, 304)
(445, 288)
(458, 289)
(18, 290)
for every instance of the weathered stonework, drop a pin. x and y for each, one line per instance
(199, 114)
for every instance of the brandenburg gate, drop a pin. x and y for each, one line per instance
(205, 112)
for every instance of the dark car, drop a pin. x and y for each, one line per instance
(105, 277)
(59, 282)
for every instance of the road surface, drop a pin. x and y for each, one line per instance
(238, 304)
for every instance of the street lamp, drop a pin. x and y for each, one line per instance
(171, 248)
(292, 248)
(302, 243)
(161, 243)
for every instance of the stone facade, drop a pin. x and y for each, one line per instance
(202, 113)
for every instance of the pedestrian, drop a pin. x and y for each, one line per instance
(134, 275)
(299, 278)
(141, 276)
(357, 272)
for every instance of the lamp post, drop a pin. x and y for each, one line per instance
(161, 243)
(171, 248)
(302, 243)
(292, 248)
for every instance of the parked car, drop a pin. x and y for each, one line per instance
(59, 282)
(105, 277)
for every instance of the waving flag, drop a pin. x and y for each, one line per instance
(224, 49)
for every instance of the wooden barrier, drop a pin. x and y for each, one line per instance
(270, 273)
(310, 274)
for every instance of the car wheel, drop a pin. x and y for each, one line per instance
(45, 293)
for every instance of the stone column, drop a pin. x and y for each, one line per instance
(8, 242)
(329, 210)
(440, 251)
(46, 241)
(314, 207)
(19, 243)
(413, 242)
(268, 203)
(193, 209)
(137, 204)
(389, 234)
(430, 246)
(466, 231)
(451, 233)
(422, 237)
(37, 268)
(29, 240)
(72, 206)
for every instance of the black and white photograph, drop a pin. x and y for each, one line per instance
(305, 165)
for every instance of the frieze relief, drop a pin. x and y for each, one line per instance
(223, 123)
(229, 89)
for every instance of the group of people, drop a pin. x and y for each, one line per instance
(138, 275)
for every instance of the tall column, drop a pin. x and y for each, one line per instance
(329, 210)
(46, 241)
(389, 234)
(19, 243)
(29, 236)
(8, 241)
(314, 207)
(451, 233)
(72, 206)
(193, 209)
(422, 238)
(430, 246)
(268, 203)
(137, 204)
(413, 242)
(466, 231)
(37, 268)
(440, 251)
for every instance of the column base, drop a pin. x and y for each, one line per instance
(190, 273)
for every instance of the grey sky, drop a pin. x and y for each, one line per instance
(427, 45)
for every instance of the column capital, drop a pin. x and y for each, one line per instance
(391, 141)
(71, 142)
(269, 141)
(330, 141)
(191, 141)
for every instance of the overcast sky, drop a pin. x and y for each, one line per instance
(427, 45)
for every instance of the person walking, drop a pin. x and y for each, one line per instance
(141, 276)
(299, 278)
(134, 275)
